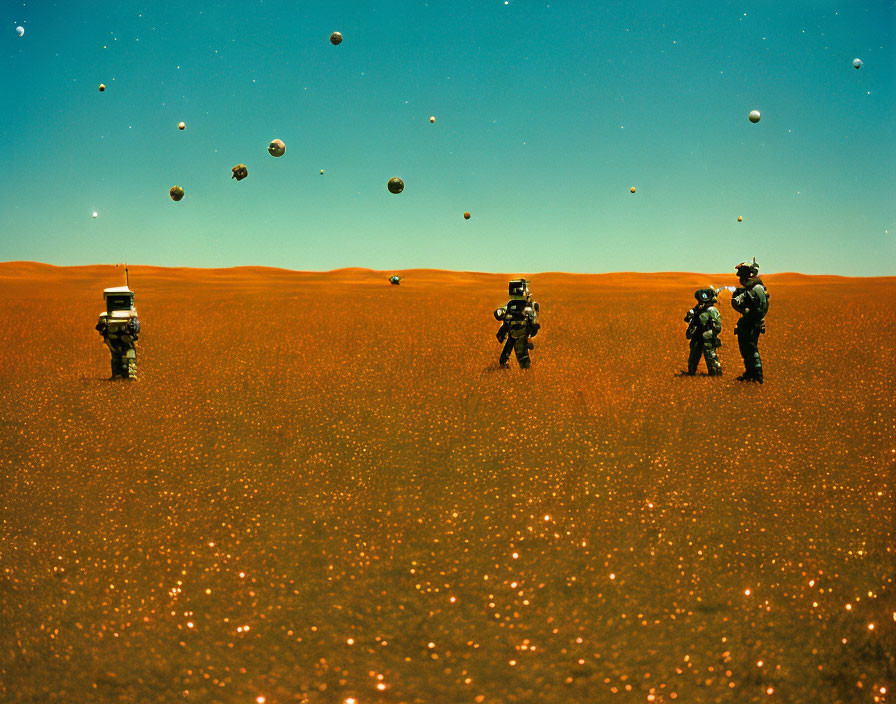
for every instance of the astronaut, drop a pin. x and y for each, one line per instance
(120, 327)
(750, 299)
(704, 325)
(519, 322)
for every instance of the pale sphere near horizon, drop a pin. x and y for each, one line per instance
(857, 63)
(21, 32)
(181, 125)
(432, 119)
(754, 116)
(95, 214)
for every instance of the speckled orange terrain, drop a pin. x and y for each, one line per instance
(322, 487)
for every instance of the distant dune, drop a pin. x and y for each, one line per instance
(247, 274)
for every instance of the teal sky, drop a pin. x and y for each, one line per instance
(546, 114)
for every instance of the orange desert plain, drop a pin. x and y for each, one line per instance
(322, 488)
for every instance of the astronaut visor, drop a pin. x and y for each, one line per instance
(519, 287)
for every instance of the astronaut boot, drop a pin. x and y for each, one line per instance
(757, 375)
(131, 368)
(117, 371)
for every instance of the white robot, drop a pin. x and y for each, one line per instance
(120, 327)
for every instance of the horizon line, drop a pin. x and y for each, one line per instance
(428, 269)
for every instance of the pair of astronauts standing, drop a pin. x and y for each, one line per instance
(750, 299)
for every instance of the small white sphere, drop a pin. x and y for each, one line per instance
(95, 213)
(857, 63)
(432, 119)
(21, 32)
(754, 116)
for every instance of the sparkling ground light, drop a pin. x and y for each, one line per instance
(323, 489)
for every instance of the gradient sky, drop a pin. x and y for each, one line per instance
(547, 113)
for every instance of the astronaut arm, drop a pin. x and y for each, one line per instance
(713, 324)
(502, 332)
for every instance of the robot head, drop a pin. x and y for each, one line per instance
(706, 295)
(118, 298)
(395, 280)
(519, 289)
(500, 313)
(747, 270)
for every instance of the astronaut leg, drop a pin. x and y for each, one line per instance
(521, 347)
(693, 359)
(505, 353)
(743, 344)
(748, 342)
(757, 360)
(713, 365)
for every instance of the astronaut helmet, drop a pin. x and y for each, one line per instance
(747, 270)
(706, 295)
(519, 289)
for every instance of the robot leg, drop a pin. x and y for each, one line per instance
(116, 362)
(129, 363)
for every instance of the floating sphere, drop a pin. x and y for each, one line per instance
(754, 116)
(856, 63)
(321, 172)
(466, 216)
(277, 148)
(102, 87)
(181, 125)
(176, 193)
(240, 172)
(336, 38)
(432, 119)
(21, 32)
(632, 189)
(395, 185)
(95, 214)
(740, 219)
